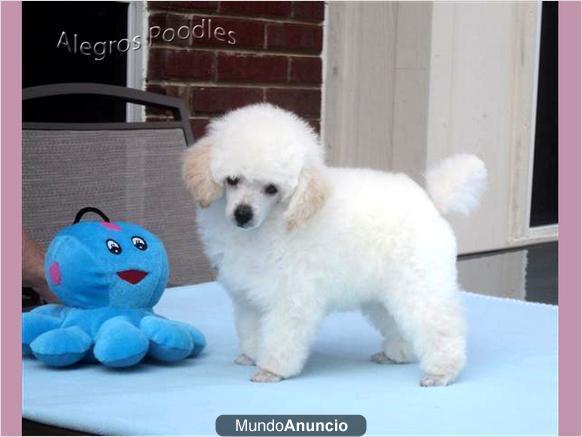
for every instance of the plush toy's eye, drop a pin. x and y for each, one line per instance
(113, 247)
(232, 181)
(271, 189)
(139, 242)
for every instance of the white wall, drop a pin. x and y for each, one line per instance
(359, 83)
(376, 84)
(409, 83)
(483, 80)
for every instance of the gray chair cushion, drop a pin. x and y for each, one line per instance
(132, 175)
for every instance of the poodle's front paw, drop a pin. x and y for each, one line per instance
(244, 360)
(435, 380)
(266, 376)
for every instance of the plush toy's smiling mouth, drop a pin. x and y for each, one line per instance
(132, 276)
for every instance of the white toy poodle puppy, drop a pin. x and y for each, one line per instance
(293, 240)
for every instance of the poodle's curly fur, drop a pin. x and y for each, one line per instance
(326, 239)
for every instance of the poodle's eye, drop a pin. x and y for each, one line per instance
(271, 189)
(233, 182)
(113, 247)
(139, 243)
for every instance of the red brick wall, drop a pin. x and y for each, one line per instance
(276, 57)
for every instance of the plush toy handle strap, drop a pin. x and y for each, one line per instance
(87, 209)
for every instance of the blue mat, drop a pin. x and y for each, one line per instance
(508, 388)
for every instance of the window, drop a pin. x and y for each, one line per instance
(53, 33)
(544, 205)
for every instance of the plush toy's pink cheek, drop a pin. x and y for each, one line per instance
(55, 273)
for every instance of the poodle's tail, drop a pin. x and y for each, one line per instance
(455, 184)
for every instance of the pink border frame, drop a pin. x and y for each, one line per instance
(11, 371)
(569, 216)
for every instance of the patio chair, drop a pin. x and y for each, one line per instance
(132, 171)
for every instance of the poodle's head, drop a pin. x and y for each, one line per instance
(260, 158)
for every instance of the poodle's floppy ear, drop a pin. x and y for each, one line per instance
(196, 173)
(310, 195)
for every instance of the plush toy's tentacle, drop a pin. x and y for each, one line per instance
(61, 347)
(169, 341)
(35, 324)
(197, 337)
(118, 343)
(51, 309)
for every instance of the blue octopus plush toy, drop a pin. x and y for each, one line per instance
(108, 275)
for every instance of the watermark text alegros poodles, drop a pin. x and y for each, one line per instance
(204, 31)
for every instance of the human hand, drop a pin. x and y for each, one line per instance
(33, 269)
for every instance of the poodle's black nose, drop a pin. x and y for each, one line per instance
(243, 214)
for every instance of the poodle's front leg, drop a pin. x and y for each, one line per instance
(287, 333)
(246, 319)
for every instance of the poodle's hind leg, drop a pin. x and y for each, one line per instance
(247, 321)
(395, 349)
(434, 322)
